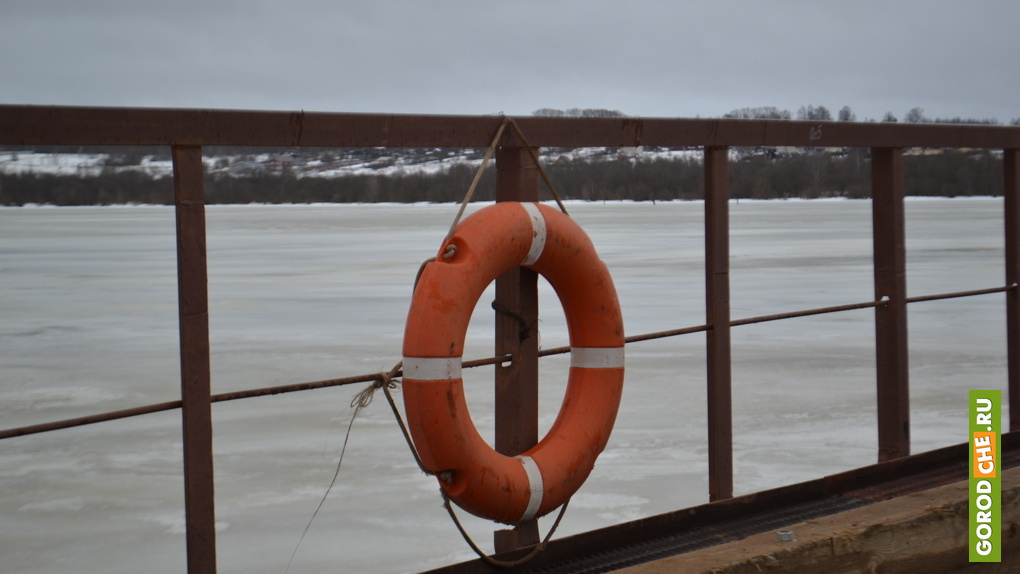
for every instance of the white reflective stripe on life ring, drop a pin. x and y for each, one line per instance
(536, 486)
(596, 357)
(537, 234)
(432, 369)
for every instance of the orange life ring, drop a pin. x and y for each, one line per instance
(511, 489)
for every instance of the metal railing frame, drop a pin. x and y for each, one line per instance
(188, 131)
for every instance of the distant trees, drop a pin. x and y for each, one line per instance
(959, 120)
(756, 172)
(635, 177)
(953, 173)
(812, 113)
(915, 116)
(846, 114)
(549, 113)
(759, 113)
(107, 189)
(650, 179)
(578, 113)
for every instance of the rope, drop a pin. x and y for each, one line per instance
(385, 381)
(534, 159)
(452, 249)
(403, 427)
(485, 161)
(478, 175)
(360, 401)
(503, 563)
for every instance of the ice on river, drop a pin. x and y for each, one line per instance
(310, 292)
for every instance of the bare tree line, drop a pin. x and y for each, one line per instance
(626, 177)
(915, 115)
(757, 173)
(808, 112)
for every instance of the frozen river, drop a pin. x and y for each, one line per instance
(88, 324)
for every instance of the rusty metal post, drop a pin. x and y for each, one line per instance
(1011, 200)
(193, 305)
(717, 309)
(516, 308)
(890, 318)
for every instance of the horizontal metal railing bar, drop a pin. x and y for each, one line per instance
(805, 313)
(634, 339)
(60, 125)
(365, 378)
(940, 296)
(265, 391)
(217, 398)
(90, 419)
(736, 323)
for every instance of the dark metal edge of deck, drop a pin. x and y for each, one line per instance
(681, 531)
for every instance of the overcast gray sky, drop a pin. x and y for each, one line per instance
(644, 58)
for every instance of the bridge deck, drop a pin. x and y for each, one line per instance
(907, 515)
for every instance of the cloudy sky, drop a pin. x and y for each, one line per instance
(643, 57)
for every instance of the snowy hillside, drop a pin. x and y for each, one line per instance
(322, 164)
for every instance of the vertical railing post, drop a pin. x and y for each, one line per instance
(193, 306)
(889, 248)
(717, 309)
(1011, 200)
(516, 308)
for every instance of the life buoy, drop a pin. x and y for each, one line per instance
(512, 489)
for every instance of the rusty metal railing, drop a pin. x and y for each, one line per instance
(187, 131)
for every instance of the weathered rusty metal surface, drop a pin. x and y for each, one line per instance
(89, 419)
(1011, 202)
(222, 397)
(717, 317)
(516, 308)
(196, 407)
(673, 533)
(890, 264)
(958, 294)
(804, 313)
(188, 130)
(139, 126)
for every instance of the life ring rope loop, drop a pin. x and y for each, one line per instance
(487, 243)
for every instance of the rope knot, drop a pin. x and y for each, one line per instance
(382, 381)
